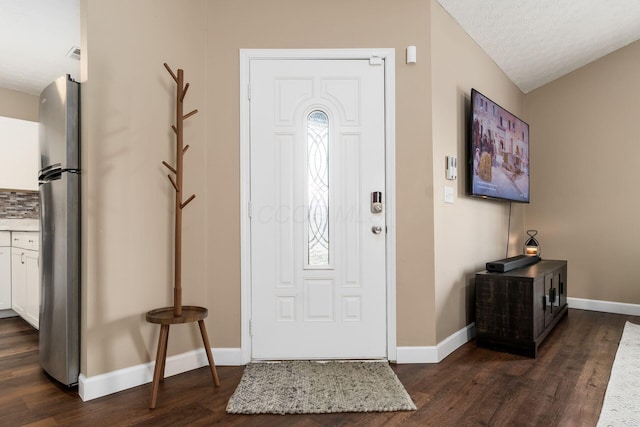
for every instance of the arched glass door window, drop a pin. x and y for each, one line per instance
(318, 189)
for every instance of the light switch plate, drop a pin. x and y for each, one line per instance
(448, 194)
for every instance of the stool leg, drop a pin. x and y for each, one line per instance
(207, 347)
(164, 358)
(160, 360)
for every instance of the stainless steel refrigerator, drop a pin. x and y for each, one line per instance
(59, 180)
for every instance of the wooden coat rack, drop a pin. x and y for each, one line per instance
(181, 92)
(178, 313)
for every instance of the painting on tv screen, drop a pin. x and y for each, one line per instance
(499, 151)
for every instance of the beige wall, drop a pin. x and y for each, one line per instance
(127, 101)
(127, 212)
(585, 175)
(127, 221)
(18, 105)
(471, 231)
(237, 24)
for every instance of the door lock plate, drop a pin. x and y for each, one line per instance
(376, 202)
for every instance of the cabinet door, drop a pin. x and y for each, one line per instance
(18, 281)
(5, 278)
(539, 306)
(19, 154)
(562, 287)
(548, 308)
(32, 309)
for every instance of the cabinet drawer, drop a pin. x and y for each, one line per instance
(25, 240)
(5, 238)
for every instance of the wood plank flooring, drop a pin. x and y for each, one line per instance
(564, 386)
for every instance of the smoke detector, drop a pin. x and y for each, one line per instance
(74, 53)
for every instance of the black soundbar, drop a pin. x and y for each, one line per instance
(508, 264)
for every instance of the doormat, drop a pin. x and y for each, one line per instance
(620, 407)
(306, 387)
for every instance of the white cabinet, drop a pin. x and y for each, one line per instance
(19, 154)
(25, 276)
(5, 270)
(32, 262)
(18, 281)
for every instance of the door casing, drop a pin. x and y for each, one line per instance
(387, 55)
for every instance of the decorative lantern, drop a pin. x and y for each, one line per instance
(531, 246)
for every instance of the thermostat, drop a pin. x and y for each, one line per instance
(452, 167)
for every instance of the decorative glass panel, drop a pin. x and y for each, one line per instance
(318, 188)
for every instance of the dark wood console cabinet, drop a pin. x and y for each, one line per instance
(516, 310)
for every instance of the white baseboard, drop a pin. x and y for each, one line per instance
(111, 382)
(606, 306)
(437, 353)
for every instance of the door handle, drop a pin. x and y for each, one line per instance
(376, 229)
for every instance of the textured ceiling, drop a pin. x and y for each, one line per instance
(35, 38)
(537, 41)
(532, 41)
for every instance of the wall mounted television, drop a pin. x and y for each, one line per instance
(497, 152)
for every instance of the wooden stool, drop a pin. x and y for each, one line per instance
(165, 317)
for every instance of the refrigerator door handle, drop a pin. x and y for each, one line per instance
(50, 173)
(49, 168)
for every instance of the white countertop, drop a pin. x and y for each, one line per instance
(19, 225)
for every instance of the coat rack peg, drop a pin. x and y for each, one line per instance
(182, 206)
(173, 183)
(184, 92)
(186, 116)
(171, 168)
(186, 147)
(175, 129)
(170, 72)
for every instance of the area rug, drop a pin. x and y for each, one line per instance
(305, 387)
(621, 405)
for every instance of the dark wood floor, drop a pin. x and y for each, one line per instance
(564, 386)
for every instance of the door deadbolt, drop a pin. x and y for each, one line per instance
(376, 202)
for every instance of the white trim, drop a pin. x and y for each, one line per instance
(426, 354)
(437, 353)
(245, 198)
(112, 382)
(605, 306)
(390, 200)
(246, 55)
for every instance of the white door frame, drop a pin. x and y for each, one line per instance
(388, 57)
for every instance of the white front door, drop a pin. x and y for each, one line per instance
(318, 268)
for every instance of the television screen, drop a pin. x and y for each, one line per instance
(498, 152)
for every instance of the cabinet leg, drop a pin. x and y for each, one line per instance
(207, 347)
(161, 357)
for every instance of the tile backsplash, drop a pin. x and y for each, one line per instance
(19, 204)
